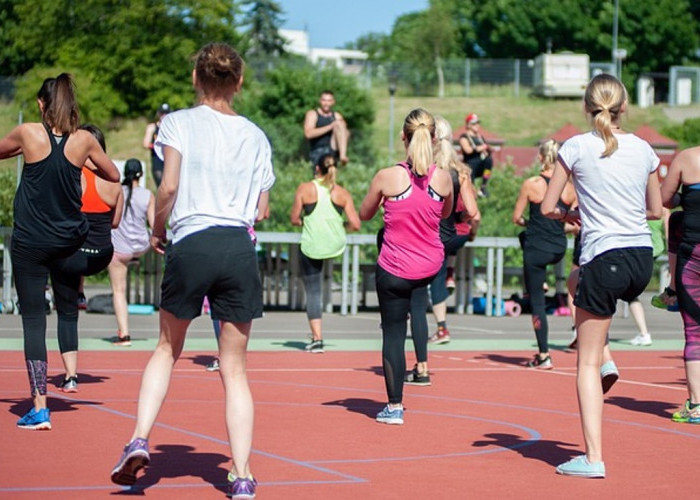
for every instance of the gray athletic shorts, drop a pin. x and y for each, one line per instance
(220, 263)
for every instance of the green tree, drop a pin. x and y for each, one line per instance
(263, 19)
(135, 54)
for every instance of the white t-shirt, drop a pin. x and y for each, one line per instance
(611, 191)
(226, 164)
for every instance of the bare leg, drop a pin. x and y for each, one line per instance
(592, 332)
(672, 259)
(156, 376)
(70, 363)
(117, 277)
(239, 401)
(637, 311)
(339, 139)
(315, 325)
(440, 311)
(692, 373)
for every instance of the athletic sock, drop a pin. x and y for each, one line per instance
(692, 406)
(442, 325)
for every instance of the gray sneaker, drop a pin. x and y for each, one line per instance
(608, 375)
(134, 458)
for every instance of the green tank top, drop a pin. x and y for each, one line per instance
(323, 234)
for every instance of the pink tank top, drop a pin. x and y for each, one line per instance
(412, 248)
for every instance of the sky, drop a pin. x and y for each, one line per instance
(332, 23)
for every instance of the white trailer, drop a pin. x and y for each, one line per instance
(561, 75)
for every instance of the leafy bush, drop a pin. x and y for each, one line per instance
(687, 134)
(279, 104)
(8, 183)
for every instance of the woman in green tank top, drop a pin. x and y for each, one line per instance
(318, 207)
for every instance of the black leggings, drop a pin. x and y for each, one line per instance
(31, 268)
(84, 262)
(313, 284)
(535, 264)
(395, 295)
(419, 323)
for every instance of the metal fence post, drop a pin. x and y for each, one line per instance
(467, 77)
(516, 78)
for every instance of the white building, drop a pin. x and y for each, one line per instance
(348, 61)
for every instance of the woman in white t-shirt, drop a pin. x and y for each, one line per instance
(216, 179)
(614, 174)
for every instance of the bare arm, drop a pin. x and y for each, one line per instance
(104, 167)
(151, 211)
(521, 203)
(466, 191)
(669, 188)
(310, 129)
(353, 223)
(11, 144)
(555, 188)
(373, 198)
(653, 198)
(297, 206)
(263, 206)
(165, 199)
(118, 209)
(148, 136)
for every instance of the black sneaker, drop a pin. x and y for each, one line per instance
(414, 377)
(315, 346)
(213, 366)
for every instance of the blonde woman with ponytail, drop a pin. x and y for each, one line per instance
(614, 174)
(318, 208)
(543, 243)
(415, 195)
(48, 223)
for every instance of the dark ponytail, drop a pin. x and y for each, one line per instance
(132, 171)
(60, 106)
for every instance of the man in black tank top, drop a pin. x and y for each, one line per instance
(326, 131)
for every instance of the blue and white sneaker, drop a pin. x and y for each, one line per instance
(608, 375)
(389, 416)
(36, 420)
(581, 467)
(134, 458)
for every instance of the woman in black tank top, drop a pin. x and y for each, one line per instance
(543, 243)
(48, 224)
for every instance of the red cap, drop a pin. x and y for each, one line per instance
(471, 118)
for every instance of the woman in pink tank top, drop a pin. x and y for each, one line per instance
(415, 195)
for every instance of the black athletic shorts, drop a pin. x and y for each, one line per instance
(220, 263)
(622, 273)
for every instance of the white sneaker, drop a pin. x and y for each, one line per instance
(641, 340)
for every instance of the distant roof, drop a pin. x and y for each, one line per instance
(490, 137)
(566, 132)
(654, 138)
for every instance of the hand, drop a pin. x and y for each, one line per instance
(158, 243)
(572, 217)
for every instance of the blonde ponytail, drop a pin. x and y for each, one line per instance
(419, 130)
(603, 101)
(548, 151)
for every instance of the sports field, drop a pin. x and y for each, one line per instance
(486, 427)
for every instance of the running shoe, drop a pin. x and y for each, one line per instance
(608, 375)
(36, 420)
(389, 416)
(123, 341)
(666, 300)
(82, 302)
(687, 415)
(315, 346)
(581, 467)
(541, 363)
(442, 336)
(414, 377)
(134, 458)
(69, 384)
(213, 366)
(641, 340)
(241, 487)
